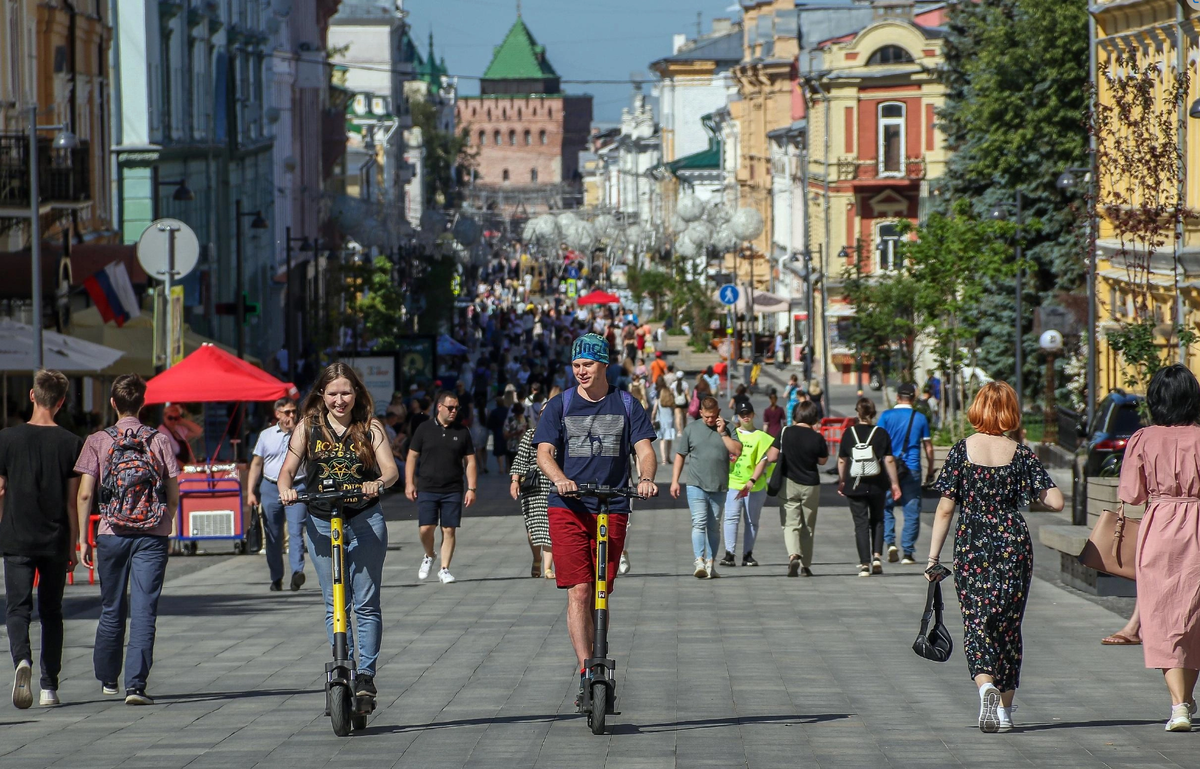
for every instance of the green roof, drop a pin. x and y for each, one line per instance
(519, 57)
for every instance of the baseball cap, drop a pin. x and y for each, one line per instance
(658, 353)
(906, 389)
(745, 408)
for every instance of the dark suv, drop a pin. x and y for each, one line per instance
(1117, 418)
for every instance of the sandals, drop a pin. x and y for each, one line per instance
(536, 571)
(1119, 639)
(549, 574)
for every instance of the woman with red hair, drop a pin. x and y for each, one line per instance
(989, 476)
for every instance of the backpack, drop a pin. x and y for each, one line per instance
(666, 397)
(132, 496)
(863, 462)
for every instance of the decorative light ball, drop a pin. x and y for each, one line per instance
(678, 223)
(701, 233)
(634, 234)
(1051, 341)
(581, 237)
(527, 231)
(716, 212)
(746, 224)
(724, 240)
(606, 225)
(466, 231)
(689, 208)
(545, 229)
(565, 222)
(685, 247)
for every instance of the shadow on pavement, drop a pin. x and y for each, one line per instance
(215, 696)
(1088, 724)
(664, 726)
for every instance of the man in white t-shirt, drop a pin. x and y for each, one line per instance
(269, 453)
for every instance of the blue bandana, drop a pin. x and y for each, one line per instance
(590, 347)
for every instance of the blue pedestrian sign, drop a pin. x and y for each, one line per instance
(728, 294)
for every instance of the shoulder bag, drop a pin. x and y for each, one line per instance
(1112, 547)
(775, 485)
(934, 644)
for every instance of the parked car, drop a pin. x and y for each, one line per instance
(1118, 417)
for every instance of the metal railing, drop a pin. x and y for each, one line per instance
(56, 183)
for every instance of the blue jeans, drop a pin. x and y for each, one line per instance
(748, 507)
(275, 514)
(139, 563)
(910, 499)
(706, 507)
(366, 545)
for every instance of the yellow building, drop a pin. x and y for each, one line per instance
(1165, 288)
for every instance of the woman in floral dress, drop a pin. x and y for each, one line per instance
(988, 476)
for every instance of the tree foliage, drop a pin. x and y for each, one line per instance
(446, 155)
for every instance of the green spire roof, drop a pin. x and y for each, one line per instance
(519, 57)
(429, 69)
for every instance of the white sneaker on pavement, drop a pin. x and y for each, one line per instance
(49, 698)
(1006, 720)
(989, 709)
(711, 569)
(623, 567)
(445, 576)
(1181, 718)
(22, 695)
(426, 565)
(701, 571)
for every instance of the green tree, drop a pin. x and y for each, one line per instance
(445, 154)
(376, 303)
(884, 329)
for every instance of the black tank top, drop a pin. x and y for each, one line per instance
(337, 461)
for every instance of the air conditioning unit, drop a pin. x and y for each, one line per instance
(212, 523)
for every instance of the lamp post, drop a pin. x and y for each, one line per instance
(258, 223)
(1067, 181)
(306, 246)
(1051, 342)
(64, 142)
(182, 194)
(999, 213)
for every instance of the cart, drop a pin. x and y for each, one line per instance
(210, 506)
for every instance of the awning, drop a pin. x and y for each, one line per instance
(211, 375)
(59, 351)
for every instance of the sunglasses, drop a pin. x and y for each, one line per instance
(288, 412)
(172, 418)
(450, 408)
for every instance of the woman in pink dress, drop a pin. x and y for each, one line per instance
(1162, 469)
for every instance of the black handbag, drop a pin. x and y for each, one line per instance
(529, 482)
(934, 644)
(779, 474)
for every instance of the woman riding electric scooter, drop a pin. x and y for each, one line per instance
(339, 440)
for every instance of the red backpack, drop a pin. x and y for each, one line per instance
(132, 496)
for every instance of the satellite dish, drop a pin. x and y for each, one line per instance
(152, 248)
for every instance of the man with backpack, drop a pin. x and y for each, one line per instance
(909, 430)
(130, 469)
(37, 532)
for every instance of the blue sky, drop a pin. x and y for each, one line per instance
(598, 40)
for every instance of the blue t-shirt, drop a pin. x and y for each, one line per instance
(895, 422)
(596, 446)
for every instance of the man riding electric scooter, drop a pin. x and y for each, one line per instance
(585, 436)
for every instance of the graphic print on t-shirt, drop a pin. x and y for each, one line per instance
(596, 435)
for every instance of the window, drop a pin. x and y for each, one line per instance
(550, 112)
(474, 110)
(489, 113)
(891, 139)
(512, 138)
(504, 114)
(496, 138)
(885, 247)
(533, 175)
(483, 137)
(528, 138)
(519, 116)
(542, 137)
(504, 175)
(890, 54)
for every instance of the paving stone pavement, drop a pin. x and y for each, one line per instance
(752, 670)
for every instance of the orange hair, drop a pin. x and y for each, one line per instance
(995, 409)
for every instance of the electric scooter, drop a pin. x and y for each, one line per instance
(345, 710)
(600, 695)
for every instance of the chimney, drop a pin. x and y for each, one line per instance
(722, 26)
(678, 41)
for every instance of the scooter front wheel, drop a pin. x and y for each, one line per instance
(340, 705)
(599, 707)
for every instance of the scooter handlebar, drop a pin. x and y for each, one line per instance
(606, 492)
(328, 496)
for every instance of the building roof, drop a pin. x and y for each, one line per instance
(727, 48)
(519, 57)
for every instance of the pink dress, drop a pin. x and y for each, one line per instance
(1162, 469)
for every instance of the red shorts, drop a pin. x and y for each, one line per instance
(573, 541)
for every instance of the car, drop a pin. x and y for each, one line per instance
(1118, 417)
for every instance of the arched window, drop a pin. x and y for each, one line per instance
(891, 139)
(528, 138)
(533, 175)
(504, 175)
(512, 138)
(888, 237)
(496, 138)
(482, 137)
(542, 137)
(890, 54)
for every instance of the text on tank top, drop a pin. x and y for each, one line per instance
(337, 460)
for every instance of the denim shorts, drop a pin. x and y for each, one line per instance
(440, 509)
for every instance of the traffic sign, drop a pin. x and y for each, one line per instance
(154, 249)
(728, 294)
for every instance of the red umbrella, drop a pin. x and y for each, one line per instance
(212, 375)
(599, 297)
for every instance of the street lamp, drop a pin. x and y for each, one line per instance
(999, 213)
(1051, 342)
(257, 223)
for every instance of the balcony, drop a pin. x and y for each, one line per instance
(56, 185)
(851, 169)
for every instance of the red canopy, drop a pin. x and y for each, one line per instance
(212, 375)
(599, 297)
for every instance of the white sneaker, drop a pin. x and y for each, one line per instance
(22, 695)
(445, 576)
(711, 569)
(49, 698)
(426, 565)
(893, 554)
(623, 567)
(701, 571)
(989, 709)
(1006, 720)
(1180, 721)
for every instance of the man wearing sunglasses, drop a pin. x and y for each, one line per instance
(269, 453)
(180, 430)
(440, 450)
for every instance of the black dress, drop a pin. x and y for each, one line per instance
(993, 556)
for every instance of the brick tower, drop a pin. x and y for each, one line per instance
(525, 132)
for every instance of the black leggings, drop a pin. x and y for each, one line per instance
(868, 524)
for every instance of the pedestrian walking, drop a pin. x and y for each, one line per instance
(38, 532)
(1162, 469)
(802, 450)
(747, 492)
(440, 454)
(908, 430)
(866, 468)
(339, 439)
(741, 397)
(131, 469)
(706, 447)
(532, 488)
(269, 453)
(663, 415)
(773, 417)
(988, 477)
(679, 394)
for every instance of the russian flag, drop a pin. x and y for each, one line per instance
(112, 293)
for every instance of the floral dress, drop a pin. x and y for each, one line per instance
(993, 556)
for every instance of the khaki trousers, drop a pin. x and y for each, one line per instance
(798, 516)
